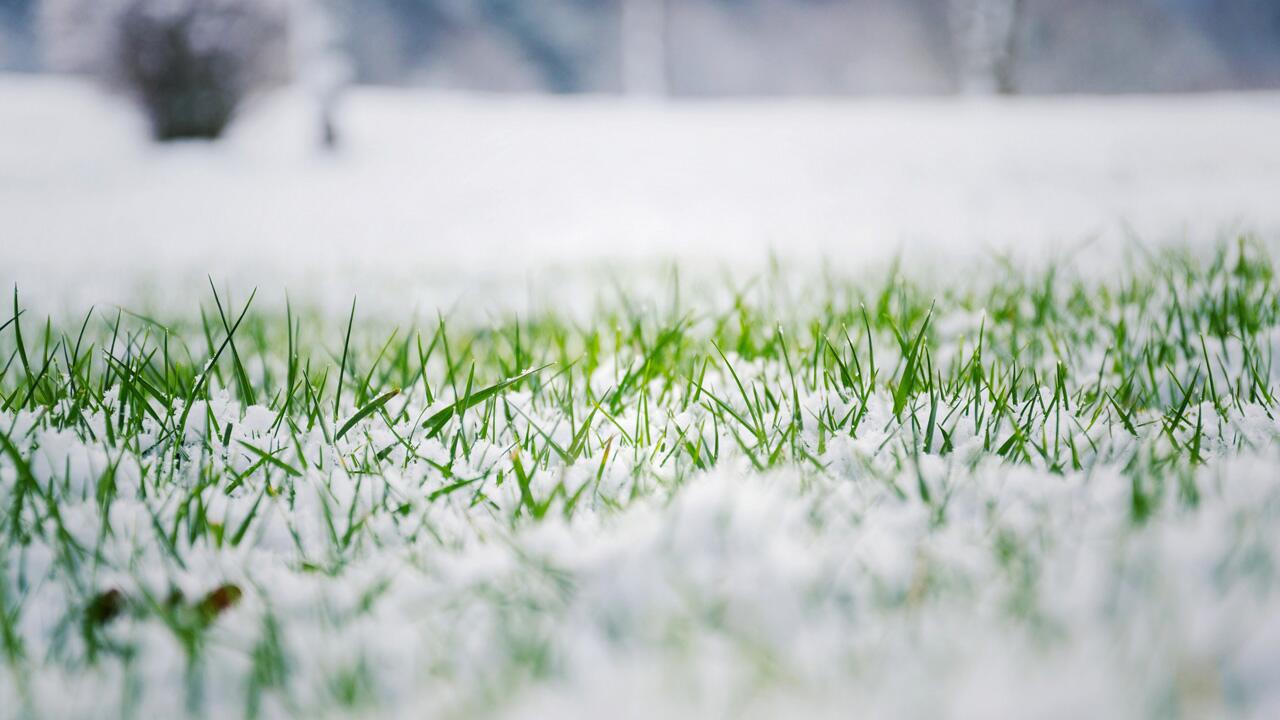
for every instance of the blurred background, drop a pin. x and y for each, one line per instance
(749, 47)
(439, 148)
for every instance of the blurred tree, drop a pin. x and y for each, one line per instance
(725, 47)
(1248, 33)
(987, 34)
(771, 47)
(477, 42)
(538, 29)
(17, 36)
(321, 64)
(1115, 46)
(642, 26)
(189, 64)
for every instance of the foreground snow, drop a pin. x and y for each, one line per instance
(1060, 501)
(740, 597)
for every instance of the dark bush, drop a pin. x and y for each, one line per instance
(191, 64)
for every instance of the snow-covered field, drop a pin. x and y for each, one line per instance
(434, 197)
(757, 468)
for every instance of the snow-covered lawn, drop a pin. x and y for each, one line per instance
(436, 196)
(637, 415)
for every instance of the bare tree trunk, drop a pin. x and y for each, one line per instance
(1006, 65)
(986, 36)
(643, 33)
(321, 64)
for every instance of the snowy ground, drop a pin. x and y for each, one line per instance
(754, 497)
(437, 196)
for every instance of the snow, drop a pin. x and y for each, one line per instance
(844, 596)
(741, 595)
(481, 197)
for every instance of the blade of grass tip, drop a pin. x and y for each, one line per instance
(625, 435)
(291, 359)
(35, 383)
(436, 422)
(526, 492)
(364, 412)
(270, 457)
(422, 364)
(564, 454)
(448, 356)
(26, 482)
(342, 369)
(242, 378)
(238, 536)
(367, 385)
(871, 348)
(453, 487)
(758, 428)
(907, 386)
(17, 334)
(213, 361)
(9, 322)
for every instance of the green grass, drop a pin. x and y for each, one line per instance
(138, 487)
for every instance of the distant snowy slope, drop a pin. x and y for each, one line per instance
(463, 191)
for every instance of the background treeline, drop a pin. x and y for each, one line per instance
(728, 47)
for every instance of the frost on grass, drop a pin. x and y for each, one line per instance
(1037, 495)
